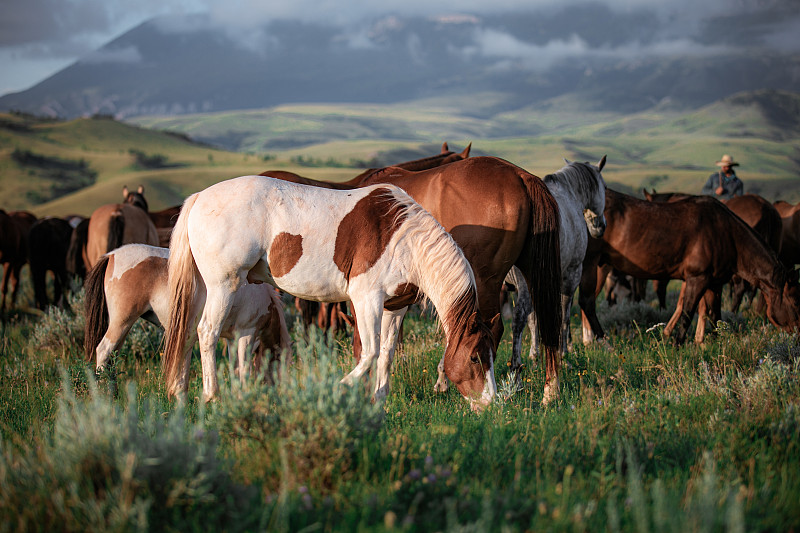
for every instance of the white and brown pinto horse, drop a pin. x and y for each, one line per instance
(113, 225)
(373, 246)
(580, 191)
(131, 282)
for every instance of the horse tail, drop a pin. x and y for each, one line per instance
(545, 266)
(96, 307)
(77, 244)
(183, 280)
(116, 230)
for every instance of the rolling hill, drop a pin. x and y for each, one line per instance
(61, 167)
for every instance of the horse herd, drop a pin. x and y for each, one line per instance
(448, 228)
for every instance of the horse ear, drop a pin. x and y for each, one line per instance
(465, 153)
(567, 161)
(601, 164)
(648, 196)
(141, 189)
(496, 325)
(445, 148)
(125, 192)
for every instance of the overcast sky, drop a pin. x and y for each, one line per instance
(40, 37)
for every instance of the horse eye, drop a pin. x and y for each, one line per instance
(474, 359)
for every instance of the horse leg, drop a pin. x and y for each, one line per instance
(219, 301)
(738, 288)
(708, 311)
(587, 300)
(113, 339)
(691, 292)
(6, 276)
(369, 312)
(247, 343)
(522, 317)
(390, 327)
(660, 287)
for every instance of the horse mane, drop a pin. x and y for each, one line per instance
(579, 172)
(450, 286)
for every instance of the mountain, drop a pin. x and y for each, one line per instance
(607, 60)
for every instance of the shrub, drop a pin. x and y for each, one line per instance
(106, 467)
(308, 417)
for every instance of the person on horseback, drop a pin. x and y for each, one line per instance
(724, 184)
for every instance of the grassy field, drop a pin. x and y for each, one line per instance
(645, 437)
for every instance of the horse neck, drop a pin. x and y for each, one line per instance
(572, 182)
(439, 269)
(757, 263)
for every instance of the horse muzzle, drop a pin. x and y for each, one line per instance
(596, 223)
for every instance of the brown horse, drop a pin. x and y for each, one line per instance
(757, 213)
(164, 221)
(501, 216)
(113, 225)
(790, 241)
(48, 242)
(698, 240)
(14, 228)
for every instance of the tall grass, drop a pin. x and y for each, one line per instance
(645, 437)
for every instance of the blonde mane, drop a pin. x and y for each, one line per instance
(452, 283)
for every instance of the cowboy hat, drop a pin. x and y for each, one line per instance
(727, 161)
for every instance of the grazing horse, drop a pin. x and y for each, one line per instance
(14, 228)
(501, 216)
(790, 238)
(48, 243)
(697, 239)
(373, 246)
(757, 213)
(113, 225)
(326, 313)
(131, 282)
(580, 191)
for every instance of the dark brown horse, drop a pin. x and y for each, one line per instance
(113, 225)
(501, 216)
(76, 252)
(757, 213)
(164, 221)
(790, 238)
(698, 240)
(14, 228)
(48, 243)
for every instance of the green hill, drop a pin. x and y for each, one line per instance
(61, 167)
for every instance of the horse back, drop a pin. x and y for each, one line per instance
(113, 225)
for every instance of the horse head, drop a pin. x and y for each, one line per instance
(469, 362)
(595, 205)
(783, 305)
(135, 198)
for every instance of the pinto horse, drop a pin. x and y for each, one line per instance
(373, 246)
(501, 216)
(326, 313)
(48, 243)
(113, 225)
(14, 228)
(580, 191)
(131, 282)
(697, 239)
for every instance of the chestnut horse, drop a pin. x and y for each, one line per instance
(48, 242)
(790, 238)
(373, 246)
(757, 213)
(113, 225)
(697, 239)
(131, 282)
(501, 216)
(14, 228)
